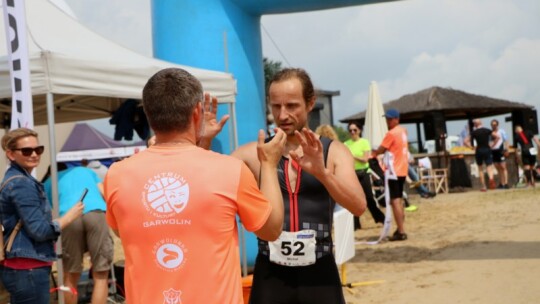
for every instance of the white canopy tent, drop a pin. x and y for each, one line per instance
(78, 75)
(88, 74)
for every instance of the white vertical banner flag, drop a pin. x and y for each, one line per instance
(22, 114)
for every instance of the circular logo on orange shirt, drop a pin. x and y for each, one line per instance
(169, 254)
(166, 194)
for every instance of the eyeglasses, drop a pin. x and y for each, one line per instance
(353, 130)
(27, 151)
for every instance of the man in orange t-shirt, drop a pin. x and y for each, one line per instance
(395, 144)
(174, 205)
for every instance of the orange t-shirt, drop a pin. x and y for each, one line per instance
(175, 209)
(395, 141)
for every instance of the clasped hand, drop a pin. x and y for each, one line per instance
(271, 151)
(309, 155)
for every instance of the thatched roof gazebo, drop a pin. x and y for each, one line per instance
(434, 106)
(454, 105)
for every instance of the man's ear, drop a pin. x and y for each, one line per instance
(197, 114)
(311, 103)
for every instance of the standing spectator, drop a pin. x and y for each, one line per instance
(175, 204)
(395, 144)
(327, 131)
(485, 139)
(499, 152)
(26, 270)
(463, 135)
(99, 168)
(529, 153)
(361, 152)
(87, 233)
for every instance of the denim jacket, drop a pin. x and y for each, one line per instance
(24, 198)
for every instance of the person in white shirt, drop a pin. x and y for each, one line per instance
(499, 150)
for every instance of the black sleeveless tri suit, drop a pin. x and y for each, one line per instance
(308, 207)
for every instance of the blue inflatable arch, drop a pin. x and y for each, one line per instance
(225, 35)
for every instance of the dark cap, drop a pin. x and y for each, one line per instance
(392, 113)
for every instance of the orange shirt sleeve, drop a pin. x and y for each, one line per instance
(253, 208)
(388, 140)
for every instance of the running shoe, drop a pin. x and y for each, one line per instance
(411, 208)
(398, 236)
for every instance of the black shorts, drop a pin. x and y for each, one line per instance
(483, 156)
(498, 156)
(395, 187)
(315, 284)
(528, 159)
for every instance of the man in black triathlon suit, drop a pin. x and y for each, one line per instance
(484, 139)
(314, 173)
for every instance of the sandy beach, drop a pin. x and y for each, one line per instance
(470, 247)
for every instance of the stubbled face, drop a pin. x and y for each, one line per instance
(289, 108)
(26, 162)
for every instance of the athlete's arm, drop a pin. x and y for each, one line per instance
(262, 159)
(342, 183)
(338, 177)
(248, 154)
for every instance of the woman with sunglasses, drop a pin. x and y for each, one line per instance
(361, 151)
(25, 272)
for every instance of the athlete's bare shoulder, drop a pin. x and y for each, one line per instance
(248, 154)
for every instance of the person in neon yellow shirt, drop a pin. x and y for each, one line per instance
(361, 151)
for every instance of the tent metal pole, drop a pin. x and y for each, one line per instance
(233, 123)
(54, 188)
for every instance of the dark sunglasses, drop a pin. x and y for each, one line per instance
(28, 151)
(353, 130)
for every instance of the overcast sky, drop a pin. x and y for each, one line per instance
(487, 47)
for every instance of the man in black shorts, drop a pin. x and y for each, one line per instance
(314, 173)
(484, 139)
(395, 146)
(500, 152)
(529, 153)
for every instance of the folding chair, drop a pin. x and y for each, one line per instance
(435, 180)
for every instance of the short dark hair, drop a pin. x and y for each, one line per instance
(308, 92)
(169, 98)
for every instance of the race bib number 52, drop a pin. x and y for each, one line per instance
(294, 248)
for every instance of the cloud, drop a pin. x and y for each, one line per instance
(512, 75)
(487, 47)
(128, 23)
(484, 47)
